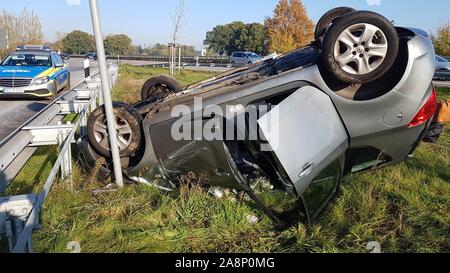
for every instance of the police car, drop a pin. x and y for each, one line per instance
(33, 71)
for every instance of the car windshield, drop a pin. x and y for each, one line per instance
(253, 55)
(441, 59)
(25, 59)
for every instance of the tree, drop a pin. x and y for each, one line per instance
(158, 50)
(78, 42)
(290, 27)
(178, 19)
(188, 51)
(163, 50)
(118, 45)
(253, 38)
(24, 28)
(58, 44)
(237, 36)
(441, 40)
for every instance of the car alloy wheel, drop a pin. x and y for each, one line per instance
(128, 129)
(124, 133)
(361, 49)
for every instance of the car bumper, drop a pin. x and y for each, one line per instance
(35, 91)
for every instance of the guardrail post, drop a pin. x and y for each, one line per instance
(94, 99)
(84, 121)
(66, 164)
(87, 69)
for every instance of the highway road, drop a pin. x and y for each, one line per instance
(14, 113)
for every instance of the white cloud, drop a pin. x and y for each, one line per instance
(73, 2)
(374, 2)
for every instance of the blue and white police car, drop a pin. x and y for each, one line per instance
(33, 71)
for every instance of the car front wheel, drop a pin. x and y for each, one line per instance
(128, 129)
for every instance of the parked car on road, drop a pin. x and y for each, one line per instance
(65, 57)
(287, 130)
(33, 71)
(91, 56)
(442, 64)
(442, 69)
(244, 58)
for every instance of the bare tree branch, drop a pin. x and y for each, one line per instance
(24, 28)
(178, 19)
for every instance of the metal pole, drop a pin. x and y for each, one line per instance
(179, 59)
(111, 120)
(171, 60)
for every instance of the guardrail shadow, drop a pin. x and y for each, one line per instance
(37, 106)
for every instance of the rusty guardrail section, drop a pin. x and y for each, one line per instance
(19, 215)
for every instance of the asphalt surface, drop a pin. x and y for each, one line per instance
(13, 113)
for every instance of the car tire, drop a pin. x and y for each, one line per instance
(329, 18)
(68, 85)
(130, 135)
(360, 47)
(159, 87)
(54, 94)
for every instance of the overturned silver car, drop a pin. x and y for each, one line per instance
(286, 130)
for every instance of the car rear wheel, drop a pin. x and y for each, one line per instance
(159, 87)
(360, 47)
(329, 18)
(128, 128)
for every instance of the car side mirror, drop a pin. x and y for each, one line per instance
(59, 65)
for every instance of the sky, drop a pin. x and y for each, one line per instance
(148, 21)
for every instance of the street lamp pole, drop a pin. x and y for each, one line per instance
(110, 118)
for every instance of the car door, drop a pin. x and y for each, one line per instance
(237, 58)
(245, 59)
(309, 139)
(61, 75)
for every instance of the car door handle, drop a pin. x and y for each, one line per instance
(307, 169)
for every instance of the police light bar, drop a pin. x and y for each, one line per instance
(33, 48)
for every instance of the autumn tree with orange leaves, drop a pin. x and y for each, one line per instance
(290, 27)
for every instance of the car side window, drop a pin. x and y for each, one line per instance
(238, 55)
(60, 60)
(57, 60)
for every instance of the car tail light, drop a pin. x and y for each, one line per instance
(426, 112)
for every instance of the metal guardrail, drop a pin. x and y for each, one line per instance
(19, 215)
(218, 60)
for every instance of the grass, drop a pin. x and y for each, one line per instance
(132, 78)
(405, 208)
